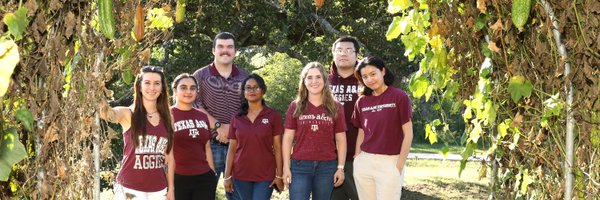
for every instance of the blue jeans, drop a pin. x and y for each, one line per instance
(314, 177)
(252, 190)
(219, 151)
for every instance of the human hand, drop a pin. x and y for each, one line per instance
(222, 133)
(228, 185)
(278, 183)
(170, 194)
(287, 177)
(338, 178)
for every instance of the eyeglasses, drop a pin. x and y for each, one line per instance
(252, 89)
(345, 51)
(152, 69)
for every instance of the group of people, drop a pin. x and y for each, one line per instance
(346, 135)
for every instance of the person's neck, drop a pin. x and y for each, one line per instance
(255, 107)
(224, 69)
(345, 72)
(150, 106)
(315, 99)
(183, 106)
(380, 90)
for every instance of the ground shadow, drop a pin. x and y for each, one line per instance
(414, 195)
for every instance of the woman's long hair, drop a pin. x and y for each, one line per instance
(329, 102)
(138, 120)
(388, 77)
(263, 88)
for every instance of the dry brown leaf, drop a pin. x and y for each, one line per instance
(144, 56)
(55, 5)
(497, 26)
(470, 22)
(31, 6)
(492, 46)
(165, 7)
(481, 6)
(51, 134)
(517, 120)
(70, 23)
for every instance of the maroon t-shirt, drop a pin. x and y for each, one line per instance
(381, 118)
(189, 141)
(315, 132)
(142, 168)
(345, 91)
(254, 159)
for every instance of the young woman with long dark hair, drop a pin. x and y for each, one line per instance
(148, 137)
(195, 176)
(383, 115)
(254, 164)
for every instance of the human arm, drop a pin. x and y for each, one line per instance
(119, 114)
(286, 149)
(227, 182)
(278, 180)
(406, 143)
(209, 156)
(359, 140)
(170, 175)
(340, 141)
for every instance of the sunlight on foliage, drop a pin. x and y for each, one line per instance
(159, 19)
(11, 152)
(9, 57)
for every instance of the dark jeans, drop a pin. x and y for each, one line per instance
(201, 186)
(348, 189)
(314, 177)
(219, 151)
(252, 190)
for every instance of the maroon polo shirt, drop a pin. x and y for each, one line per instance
(219, 96)
(254, 159)
(345, 91)
(189, 142)
(315, 132)
(381, 118)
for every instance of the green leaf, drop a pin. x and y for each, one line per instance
(526, 181)
(467, 152)
(518, 87)
(12, 151)
(9, 57)
(127, 76)
(17, 23)
(430, 133)
(489, 113)
(467, 114)
(429, 92)
(25, 117)
(475, 134)
(553, 106)
(394, 29)
(487, 52)
(418, 86)
(159, 19)
(480, 22)
(445, 151)
(396, 6)
(502, 129)
(515, 141)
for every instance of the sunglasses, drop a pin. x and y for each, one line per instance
(152, 69)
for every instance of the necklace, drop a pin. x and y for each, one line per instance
(151, 114)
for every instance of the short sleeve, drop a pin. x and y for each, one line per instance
(340, 120)
(277, 124)
(290, 120)
(232, 128)
(356, 114)
(404, 108)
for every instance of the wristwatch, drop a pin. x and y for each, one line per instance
(217, 126)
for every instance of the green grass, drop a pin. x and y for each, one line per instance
(437, 148)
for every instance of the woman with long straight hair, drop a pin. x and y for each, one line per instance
(315, 121)
(195, 176)
(383, 115)
(254, 165)
(148, 137)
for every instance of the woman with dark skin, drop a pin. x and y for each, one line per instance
(254, 163)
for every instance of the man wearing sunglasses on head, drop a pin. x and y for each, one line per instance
(219, 95)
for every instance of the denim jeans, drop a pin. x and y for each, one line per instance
(252, 190)
(314, 177)
(219, 151)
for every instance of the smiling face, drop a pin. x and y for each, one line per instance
(314, 81)
(224, 51)
(186, 91)
(344, 55)
(151, 86)
(252, 91)
(373, 77)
